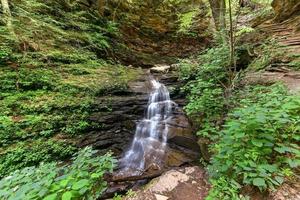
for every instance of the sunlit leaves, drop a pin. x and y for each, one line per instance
(259, 139)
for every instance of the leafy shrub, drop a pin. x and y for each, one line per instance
(5, 53)
(259, 142)
(186, 20)
(269, 53)
(25, 155)
(225, 189)
(206, 87)
(82, 179)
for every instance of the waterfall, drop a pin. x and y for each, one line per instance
(150, 139)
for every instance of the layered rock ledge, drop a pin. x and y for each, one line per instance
(117, 115)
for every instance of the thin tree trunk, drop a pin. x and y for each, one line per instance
(218, 8)
(231, 42)
(7, 13)
(101, 6)
(222, 14)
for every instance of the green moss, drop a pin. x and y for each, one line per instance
(50, 74)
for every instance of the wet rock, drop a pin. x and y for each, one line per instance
(179, 156)
(116, 117)
(189, 183)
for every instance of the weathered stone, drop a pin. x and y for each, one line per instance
(160, 69)
(177, 157)
(204, 148)
(160, 197)
(285, 9)
(189, 183)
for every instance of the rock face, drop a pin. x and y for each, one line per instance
(285, 8)
(189, 183)
(117, 115)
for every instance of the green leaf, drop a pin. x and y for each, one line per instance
(259, 182)
(67, 196)
(293, 163)
(283, 149)
(80, 184)
(257, 142)
(51, 197)
(279, 179)
(95, 175)
(64, 182)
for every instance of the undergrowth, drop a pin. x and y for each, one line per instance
(82, 179)
(258, 143)
(253, 131)
(54, 65)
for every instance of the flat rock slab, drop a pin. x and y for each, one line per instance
(187, 183)
(160, 69)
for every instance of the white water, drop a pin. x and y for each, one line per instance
(150, 139)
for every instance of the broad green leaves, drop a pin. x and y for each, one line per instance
(259, 182)
(259, 139)
(81, 179)
(80, 184)
(67, 196)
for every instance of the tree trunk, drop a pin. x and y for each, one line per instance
(7, 13)
(232, 65)
(101, 6)
(218, 8)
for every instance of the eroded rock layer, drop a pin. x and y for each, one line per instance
(117, 116)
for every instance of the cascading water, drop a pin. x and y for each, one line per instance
(150, 139)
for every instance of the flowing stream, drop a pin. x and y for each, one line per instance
(149, 144)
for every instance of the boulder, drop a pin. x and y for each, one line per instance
(188, 183)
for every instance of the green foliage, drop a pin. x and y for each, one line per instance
(225, 189)
(51, 71)
(30, 154)
(35, 114)
(259, 143)
(82, 179)
(295, 64)
(206, 92)
(128, 194)
(244, 30)
(260, 139)
(4, 54)
(268, 53)
(186, 21)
